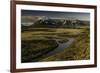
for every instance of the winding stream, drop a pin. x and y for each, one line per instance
(61, 46)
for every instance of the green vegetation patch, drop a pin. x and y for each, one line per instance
(32, 49)
(79, 50)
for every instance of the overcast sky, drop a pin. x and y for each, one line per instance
(52, 14)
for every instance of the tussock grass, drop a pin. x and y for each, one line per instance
(79, 50)
(36, 42)
(32, 49)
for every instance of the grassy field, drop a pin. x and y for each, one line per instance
(32, 49)
(37, 42)
(49, 32)
(79, 50)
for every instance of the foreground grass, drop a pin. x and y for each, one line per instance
(39, 41)
(79, 50)
(32, 49)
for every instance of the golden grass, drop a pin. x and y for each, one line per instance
(79, 50)
(29, 34)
